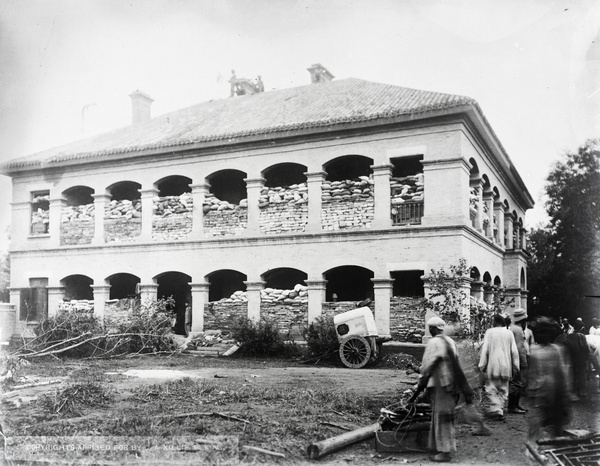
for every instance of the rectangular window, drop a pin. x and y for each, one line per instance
(34, 300)
(40, 212)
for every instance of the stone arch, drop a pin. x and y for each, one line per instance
(348, 167)
(284, 277)
(523, 279)
(284, 175)
(123, 285)
(173, 185)
(475, 274)
(176, 285)
(78, 196)
(228, 185)
(78, 287)
(349, 283)
(223, 283)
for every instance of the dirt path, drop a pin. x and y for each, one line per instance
(505, 446)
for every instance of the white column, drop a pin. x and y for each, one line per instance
(314, 181)
(147, 200)
(100, 202)
(199, 300)
(55, 297)
(253, 290)
(382, 289)
(56, 206)
(253, 188)
(101, 295)
(383, 192)
(199, 192)
(316, 298)
(509, 228)
(499, 210)
(148, 292)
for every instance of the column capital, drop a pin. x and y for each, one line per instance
(315, 176)
(198, 188)
(100, 288)
(385, 169)
(101, 197)
(255, 182)
(199, 287)
(57, 202)
(55, 289)
(255, 286)
(148, 192)
(382, 283)
(315, 284)
(148, 286)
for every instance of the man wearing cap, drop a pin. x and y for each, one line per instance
(438, 375)
(517, 383)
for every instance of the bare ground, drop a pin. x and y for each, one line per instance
(279, 406)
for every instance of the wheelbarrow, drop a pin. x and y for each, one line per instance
(360, 343)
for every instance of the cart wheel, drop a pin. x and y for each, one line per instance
(376, 358)
(355, 351)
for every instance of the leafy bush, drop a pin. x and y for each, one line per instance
(74, 399)
(260, 338)
(321, 339)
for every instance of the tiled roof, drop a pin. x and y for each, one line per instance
(317, 105)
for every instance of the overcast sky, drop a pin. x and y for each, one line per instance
(67, 66)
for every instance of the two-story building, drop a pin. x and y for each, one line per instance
(285, 203)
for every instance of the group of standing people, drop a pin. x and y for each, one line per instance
(516, 361)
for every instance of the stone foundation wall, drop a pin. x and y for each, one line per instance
(406, 320)
(226, 222)
(122, 230)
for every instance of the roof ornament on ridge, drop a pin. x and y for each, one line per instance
(243, 86)
(319, 74)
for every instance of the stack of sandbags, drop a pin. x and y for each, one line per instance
(124, 209)
(473, 199)
(346, 190)
(76, 305)
(40, 216)
(212, 203)
(294, 194)
(75, 213)
(169, 205)
(407, 188)
(274, 295)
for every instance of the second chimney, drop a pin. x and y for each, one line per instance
(140, 107)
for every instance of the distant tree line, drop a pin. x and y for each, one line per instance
(564, 269)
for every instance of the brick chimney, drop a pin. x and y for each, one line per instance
(140, 107)
(319, 74)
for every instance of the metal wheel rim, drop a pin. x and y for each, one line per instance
(355, 351)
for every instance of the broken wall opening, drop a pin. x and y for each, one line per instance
(177, 286)
(283, 201)
(172, 209)
(226, 204)
(78, 287)
(123, 216)
(349, 283)
(408, 283)
(407, 190)
(348, 194)
(224, 283)
(77, 216)
(123, 285)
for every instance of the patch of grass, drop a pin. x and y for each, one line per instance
(75, 399)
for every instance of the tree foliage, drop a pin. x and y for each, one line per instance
(564, 267)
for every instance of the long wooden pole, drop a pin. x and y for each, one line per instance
(324, 447)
